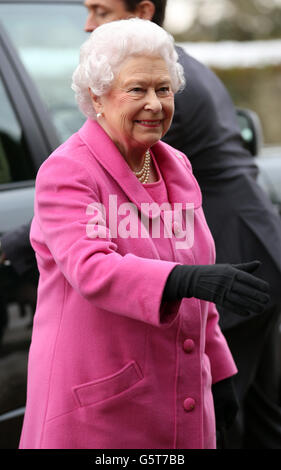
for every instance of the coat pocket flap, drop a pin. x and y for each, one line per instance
(99, 390)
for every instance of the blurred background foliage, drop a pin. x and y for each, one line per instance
(256, 87)
(240, 20)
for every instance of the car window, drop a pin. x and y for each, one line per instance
(15, 160)
(48, 38)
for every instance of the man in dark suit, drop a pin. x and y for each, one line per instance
(240, 216)
(245, 226)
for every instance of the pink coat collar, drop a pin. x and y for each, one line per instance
(180, 182)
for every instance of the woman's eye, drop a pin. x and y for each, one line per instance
(137, 90)
(164, 90)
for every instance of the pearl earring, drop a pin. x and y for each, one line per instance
(99, 115)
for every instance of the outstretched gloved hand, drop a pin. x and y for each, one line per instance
(230, 286)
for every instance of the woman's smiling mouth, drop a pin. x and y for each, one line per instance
(149, 122)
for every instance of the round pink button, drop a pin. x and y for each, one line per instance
(188, 345)
(189, 404)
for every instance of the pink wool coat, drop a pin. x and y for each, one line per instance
(110, 365)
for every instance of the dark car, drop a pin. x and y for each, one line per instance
(39, 47)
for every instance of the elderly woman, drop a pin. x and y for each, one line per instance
(126, 343)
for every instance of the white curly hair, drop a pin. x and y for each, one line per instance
(102, 55)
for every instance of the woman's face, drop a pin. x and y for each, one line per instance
(138, 109)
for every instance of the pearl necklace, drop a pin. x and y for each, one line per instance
(144, 173)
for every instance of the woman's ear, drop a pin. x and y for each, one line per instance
(145, 10)
(96, 101)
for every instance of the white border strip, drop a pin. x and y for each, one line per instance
(227, 54)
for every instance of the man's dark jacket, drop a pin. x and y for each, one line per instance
(245, 227)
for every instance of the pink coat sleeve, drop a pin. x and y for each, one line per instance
(93, 267)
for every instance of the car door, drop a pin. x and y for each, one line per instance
(39, 47)
(24, 143)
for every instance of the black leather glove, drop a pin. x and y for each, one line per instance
(229, 286)
(225, 402)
